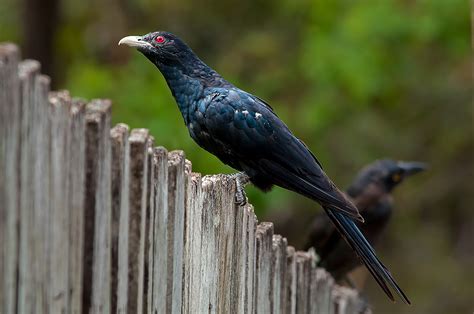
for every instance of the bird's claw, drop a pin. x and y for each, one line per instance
(241, 179)
(240, 198)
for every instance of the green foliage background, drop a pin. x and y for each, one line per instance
(356, 80)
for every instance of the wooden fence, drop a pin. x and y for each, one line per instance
(97, 219)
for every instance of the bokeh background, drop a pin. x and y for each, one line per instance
(356, 80)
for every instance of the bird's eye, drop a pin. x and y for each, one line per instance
(396, 177)
(160, 39)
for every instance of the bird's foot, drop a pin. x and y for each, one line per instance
(241, 180)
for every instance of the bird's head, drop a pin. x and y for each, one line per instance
(387, 173)
(161, 48)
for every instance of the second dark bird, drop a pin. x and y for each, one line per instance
(244, 132)
(371, 193)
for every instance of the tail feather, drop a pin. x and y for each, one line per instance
(366, 253)
(315, 186)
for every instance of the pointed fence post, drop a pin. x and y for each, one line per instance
(9, 177)
(96, 295)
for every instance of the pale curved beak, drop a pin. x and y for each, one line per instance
(133, 41)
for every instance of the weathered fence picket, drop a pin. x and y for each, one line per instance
(120, 213)
(278, 275)
(136, 221)
(95, 219)
(98, 209)
(290, 280)
(149, 219)
(176, 188)
(324, 287)
(160, 232)
(28, 70)
(193, 227)
(42, 200)
(76, 202)
(348, 301)
(264, 262)
(9, 176)
(59, 212)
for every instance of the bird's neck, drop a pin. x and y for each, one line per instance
(187, 81)
(186, 90)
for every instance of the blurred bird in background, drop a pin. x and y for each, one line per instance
(371, 193)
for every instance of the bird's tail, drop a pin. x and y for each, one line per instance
(351, 233)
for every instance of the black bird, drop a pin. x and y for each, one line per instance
(370, 192)
(244, 132)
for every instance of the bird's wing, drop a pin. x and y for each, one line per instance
(247, 131)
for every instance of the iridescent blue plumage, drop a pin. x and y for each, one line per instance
(244, 132)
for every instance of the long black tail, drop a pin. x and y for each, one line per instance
(351, 233)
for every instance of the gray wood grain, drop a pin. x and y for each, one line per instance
(9, 177)
(278, 275)
(148, 232)
(242, 236)
(194, 204)
(303, 270)
(290, 291)
(324, 284)
(120, 210)
(240, 261)
(98, 209)
(138, 202)
(313, 288)
(76, 178)
(28, 70)
(175, 227)
(59, 213)
(208, 287)
(192, 243)
(225, 213)
(252, 222)
(347, 301)
(160, 230)
(42, 201)
(237, 289)
(264, 237)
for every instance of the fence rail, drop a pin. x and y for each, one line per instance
(96, 219)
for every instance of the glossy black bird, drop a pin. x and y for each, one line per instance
(244, 132)
(371, 193)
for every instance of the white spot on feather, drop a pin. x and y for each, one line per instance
(258, 115)
(245, 112)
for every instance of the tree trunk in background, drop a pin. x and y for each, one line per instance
(40, 19)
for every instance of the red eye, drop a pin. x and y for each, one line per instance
(160, 39)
